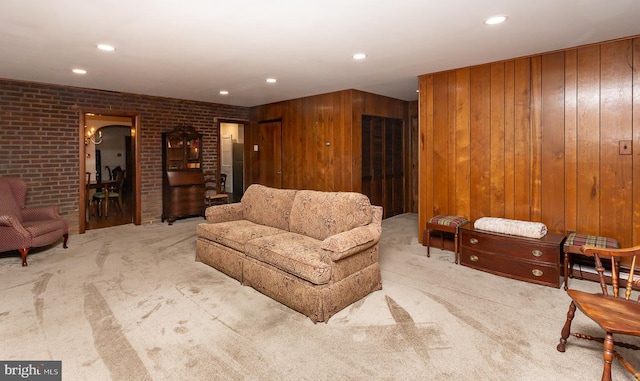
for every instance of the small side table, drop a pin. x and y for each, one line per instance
(575, 241)
(445, 224)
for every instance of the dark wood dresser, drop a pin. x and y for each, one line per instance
(182, 176)
(528, 259)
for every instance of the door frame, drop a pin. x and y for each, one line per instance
(245, 126)
(135, 148)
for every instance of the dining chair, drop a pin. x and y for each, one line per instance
(89, 197)
(112, 194)
(615, 312)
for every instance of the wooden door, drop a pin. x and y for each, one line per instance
(269, 154)
(383, 163)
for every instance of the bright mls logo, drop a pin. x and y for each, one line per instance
(31, 370)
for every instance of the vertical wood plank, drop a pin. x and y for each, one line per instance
(588, 146)
(355, 100)
(509, 139)
(348, 156)
(522, 139)
(636, 139)
(570, 140)
(425, 165)
(536, 138)
(497, 148)
(552, 148)
(440, 135)
(480, 141)
(451, 143)
(462, 142)
(616, 106)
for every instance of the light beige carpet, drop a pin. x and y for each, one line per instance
(130, 303)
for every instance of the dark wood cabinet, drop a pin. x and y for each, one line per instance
(182, 176)
(529, 259)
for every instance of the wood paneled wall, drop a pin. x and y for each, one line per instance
(536, 139)
(322, 137)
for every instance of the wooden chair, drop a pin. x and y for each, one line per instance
(114, 194)
(89, 196)
(614, 313)
(213, 195)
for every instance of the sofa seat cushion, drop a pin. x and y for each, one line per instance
(235, 234)
(293, 253)
(323, 214)
(38, 228)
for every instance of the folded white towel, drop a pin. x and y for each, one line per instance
(513, 227)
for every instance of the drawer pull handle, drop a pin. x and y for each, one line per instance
(473, 241)
(474, 258)
(536, 272)
(537, 253)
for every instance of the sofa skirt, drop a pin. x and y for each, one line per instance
(220, 257)
(318, 302)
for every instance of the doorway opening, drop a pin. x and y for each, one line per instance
(109, 169)
(232, 158)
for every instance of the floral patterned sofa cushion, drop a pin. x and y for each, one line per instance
(293, 253)
(268, 206)
(235, 234)
(323, 214)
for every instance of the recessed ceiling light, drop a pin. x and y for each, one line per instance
(495, 20)
(79, 71)
(106, 47)
(224, 92)
(271, 80)
(359, 56)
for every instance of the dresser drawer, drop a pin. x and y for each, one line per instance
(515, 268)
(529, 259)
(519, 247)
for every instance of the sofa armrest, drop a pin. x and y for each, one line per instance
(352, 241)
(224, 213)
(38, 213)
(10, 221)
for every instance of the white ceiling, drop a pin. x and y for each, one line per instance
(192, 49)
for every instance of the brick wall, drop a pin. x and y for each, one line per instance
(39, 138)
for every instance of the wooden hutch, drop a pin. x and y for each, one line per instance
(182, 176)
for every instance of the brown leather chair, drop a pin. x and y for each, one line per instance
(23, 228)
(614, 312)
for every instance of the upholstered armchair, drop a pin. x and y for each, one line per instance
(23, 228)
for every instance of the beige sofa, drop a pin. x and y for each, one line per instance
(315, 252)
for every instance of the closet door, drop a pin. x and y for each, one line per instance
(394, 168)
(382, 163)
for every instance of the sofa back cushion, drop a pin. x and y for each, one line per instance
(8, 203)
(322, 214)
(268, 206)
